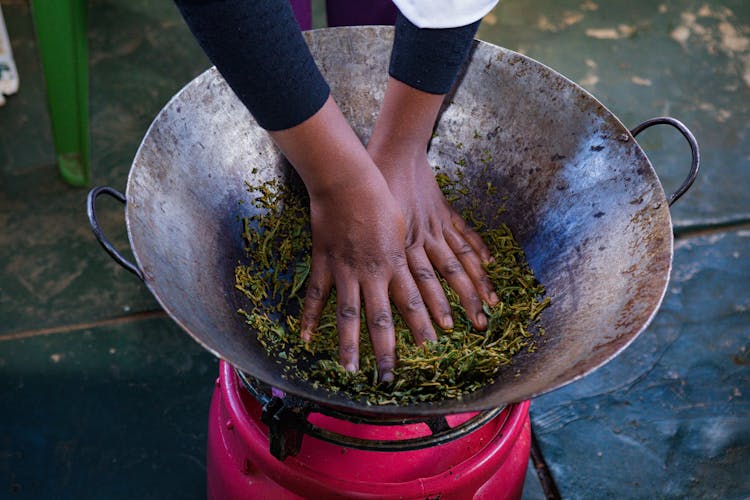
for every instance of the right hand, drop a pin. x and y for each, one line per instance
(358, 247)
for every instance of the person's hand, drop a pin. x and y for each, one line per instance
(358, 240)
(358, 247)
(436, 236)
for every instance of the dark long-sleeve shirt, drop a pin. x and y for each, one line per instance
(258, 48)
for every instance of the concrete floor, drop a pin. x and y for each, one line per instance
(103, 396)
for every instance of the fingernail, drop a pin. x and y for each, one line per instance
(350, 368)
(481, 321)
(494, 299)
(387, 377)
(447, 322)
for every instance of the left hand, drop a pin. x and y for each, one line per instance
(436, 235)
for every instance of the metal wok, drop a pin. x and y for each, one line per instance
(580, 195)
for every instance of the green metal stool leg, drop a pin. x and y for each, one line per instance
(61, 28)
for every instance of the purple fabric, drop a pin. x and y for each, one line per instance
(360, 12)
(347, 12)
(303, 12)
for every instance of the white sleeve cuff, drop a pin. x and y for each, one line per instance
(444, 13)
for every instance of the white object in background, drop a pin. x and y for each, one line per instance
(444, 13)
(8, 73)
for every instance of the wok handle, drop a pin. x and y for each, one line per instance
(694, 150)
(103, 241)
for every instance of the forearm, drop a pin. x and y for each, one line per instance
(406, 120)
(321, 142)
(424, 66)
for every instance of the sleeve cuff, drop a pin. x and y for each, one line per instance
(429, 59)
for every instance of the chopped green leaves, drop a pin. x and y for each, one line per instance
(461, 361)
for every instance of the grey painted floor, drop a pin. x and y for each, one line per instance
(104, 397)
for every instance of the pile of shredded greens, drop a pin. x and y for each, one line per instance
(273, 277)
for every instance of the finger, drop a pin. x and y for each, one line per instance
(380, 326)
(347, 321)
(450, 268)
(429, 288)
(472, 237)
(472, 264)
(408, 299)
(318, 289)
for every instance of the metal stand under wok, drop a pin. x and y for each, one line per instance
(287, 419)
